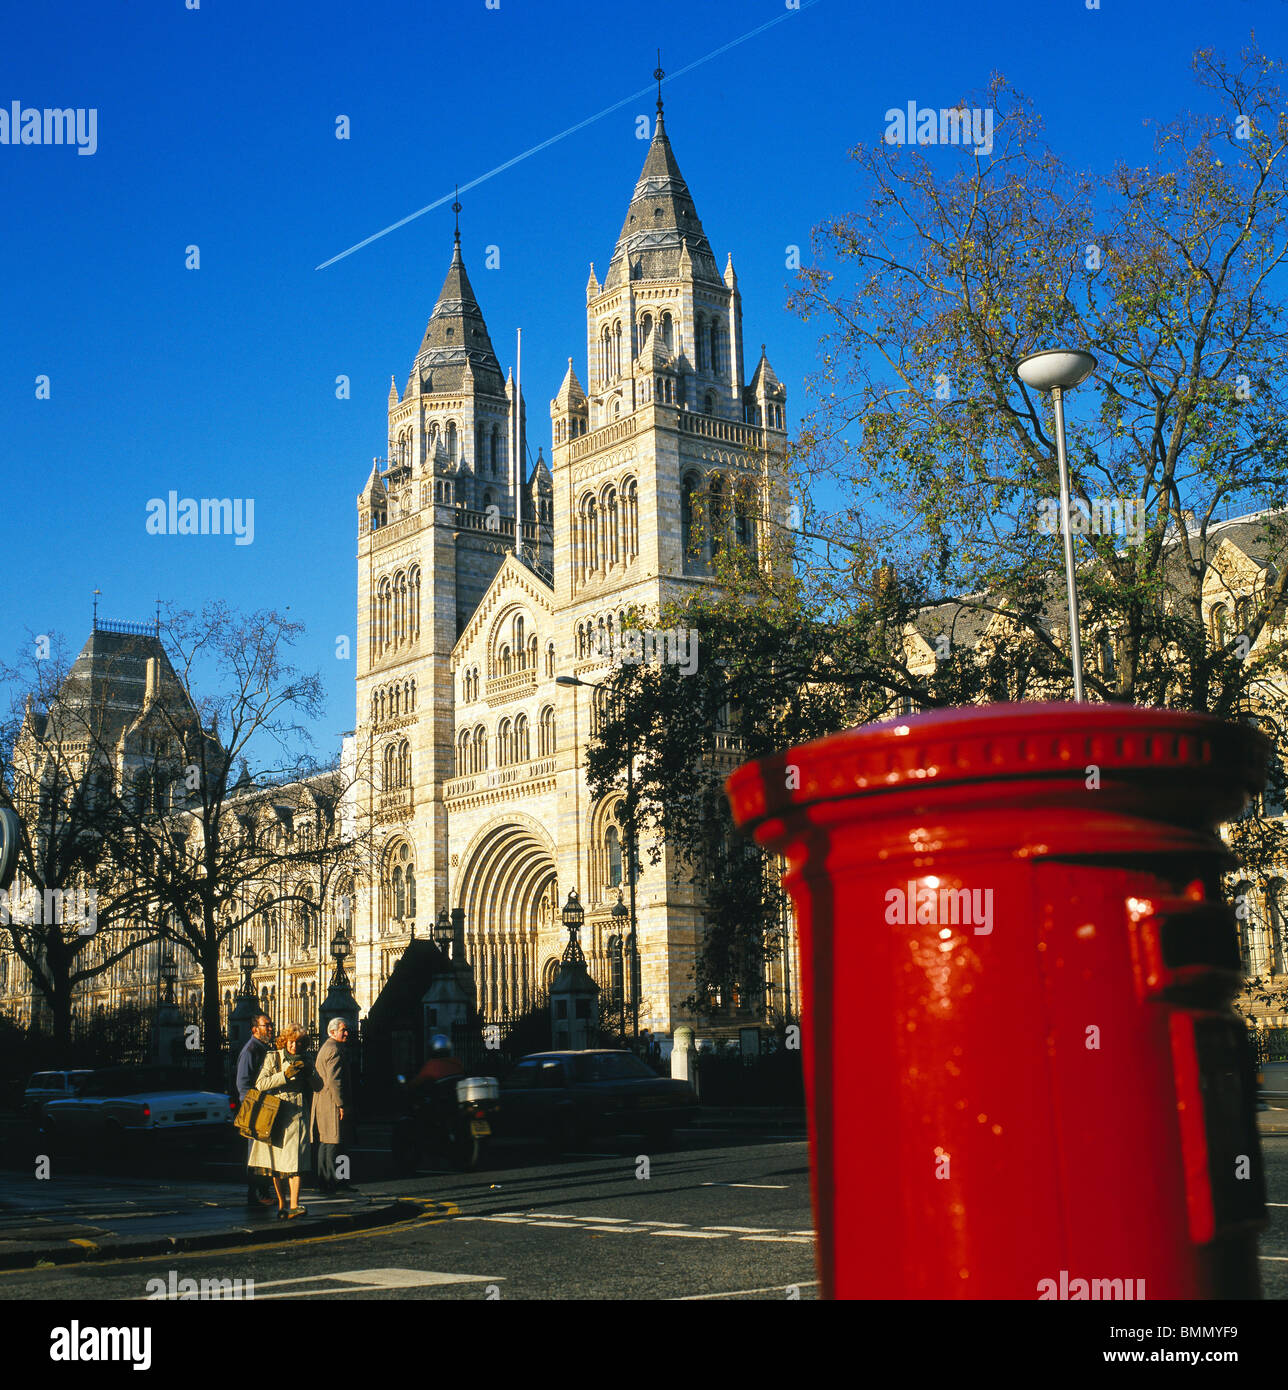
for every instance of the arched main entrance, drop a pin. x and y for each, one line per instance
(507, 889)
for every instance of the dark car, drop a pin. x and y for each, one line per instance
(569, 1097)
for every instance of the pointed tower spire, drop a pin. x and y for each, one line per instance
(457, 334)
(659, 74)
(730, 277)
(592, 285)
(661, 216)
(456, 212)
(393, 390)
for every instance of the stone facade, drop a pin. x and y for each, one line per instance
(474, 753)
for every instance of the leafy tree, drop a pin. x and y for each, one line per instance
(917, 568)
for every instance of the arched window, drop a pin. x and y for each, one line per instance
(404, 764)
(504, 744)
(413, 613)
(699, 342)
(496, 448)
(716, 355)
(646, 330)
(463, 753)
(613, 844)
(709, 403)
(550, 658)
(546, 732)
(1277, 925)
(519, 648)
(718, 514)
(480, 749)
(390, 768)
(690, 520)
(451, 441)
(668, 330)
(400, 893)
(1221, 625)
(521, 750)
(503, 660)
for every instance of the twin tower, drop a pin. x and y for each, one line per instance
(483, 573)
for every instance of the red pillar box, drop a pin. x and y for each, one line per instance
(1024, 1076)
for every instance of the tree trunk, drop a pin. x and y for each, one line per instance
(212, 1038)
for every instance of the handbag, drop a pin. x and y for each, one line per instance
(257, 1115)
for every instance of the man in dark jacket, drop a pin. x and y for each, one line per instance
(248, 1065)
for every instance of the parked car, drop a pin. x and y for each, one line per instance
(49, 1085)
(567, 1098)
(117, 1107)
(1272, 1084)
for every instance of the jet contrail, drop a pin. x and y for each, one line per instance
(563, 134)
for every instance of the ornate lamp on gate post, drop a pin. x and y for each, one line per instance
(339, 1001)
(447, 1002)
(167, 1031)
(574, 996)
(244, 1011)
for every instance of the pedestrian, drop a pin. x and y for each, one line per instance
(285, 1155)
(331, 1122)
(249, 1061)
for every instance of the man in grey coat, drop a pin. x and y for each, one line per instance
(332, 1103)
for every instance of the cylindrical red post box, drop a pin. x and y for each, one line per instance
(1024, 1076)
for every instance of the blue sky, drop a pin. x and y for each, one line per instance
(216, 127)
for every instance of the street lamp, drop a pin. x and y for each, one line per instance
(620, 912)
(630, 864)
(248, 962)
(168, 973)
(339, 949)
(1058, 370)
(443, 932)
(573, 917)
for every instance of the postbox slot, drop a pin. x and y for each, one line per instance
(1201, 935)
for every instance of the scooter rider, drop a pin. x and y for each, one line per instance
(438, 1064)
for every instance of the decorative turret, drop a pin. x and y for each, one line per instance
(569, 410)
(730, 278)
(592, 285)
(765, 396)
(393, 390)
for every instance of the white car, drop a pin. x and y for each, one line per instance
(146, 1106)
(49, 1085)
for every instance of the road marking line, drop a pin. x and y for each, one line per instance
(1282, 1259)
(662, 1223)
(695, 1235)
(784, 1240)
(621, 1230)
(611, 1220)
(557, 1225)
(743, 1230)
(738, 1293)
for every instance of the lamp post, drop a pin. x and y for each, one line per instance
(630, 860)
(1058, 370)
(574, 915)
(339, 949)
(248, 961)
(620, 912)
(168, 972)
(443, 933)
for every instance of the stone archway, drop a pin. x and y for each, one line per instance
(506, 888)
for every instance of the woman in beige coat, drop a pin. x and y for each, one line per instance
(287, 1075)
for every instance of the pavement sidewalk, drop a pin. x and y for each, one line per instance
(78, 1218)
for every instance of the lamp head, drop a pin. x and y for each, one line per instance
(1055, 367)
